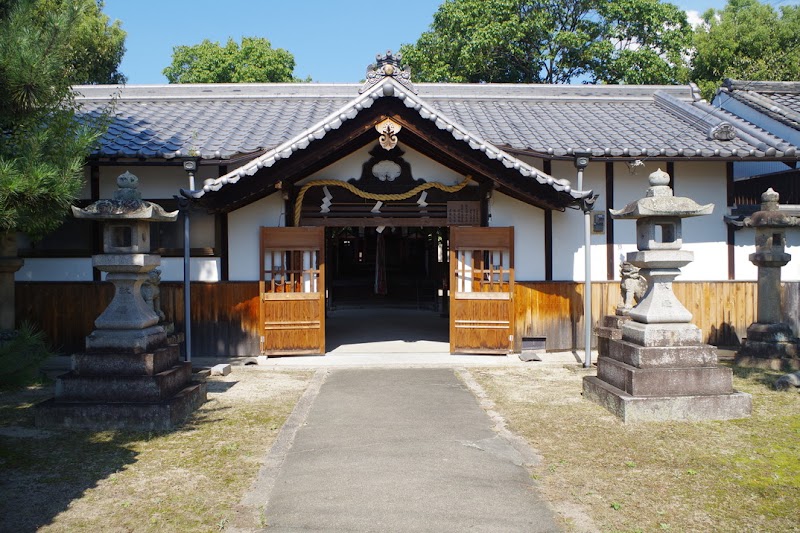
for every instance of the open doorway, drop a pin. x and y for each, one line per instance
(387, 289)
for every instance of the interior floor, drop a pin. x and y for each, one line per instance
(395, 267)
(386, 330)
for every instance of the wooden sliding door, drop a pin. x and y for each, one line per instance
(481, 289)
(292, 288)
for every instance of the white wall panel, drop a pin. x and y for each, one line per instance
(528, 222)
(568, 227)
(243, 229)
(64, 269)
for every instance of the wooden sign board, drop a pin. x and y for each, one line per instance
(463, 213)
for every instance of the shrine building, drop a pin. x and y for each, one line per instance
(461, 202)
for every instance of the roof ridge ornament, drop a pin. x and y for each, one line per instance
(388, 66)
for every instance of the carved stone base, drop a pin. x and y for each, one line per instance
(125, 340)
(633, 409)
(769, 346)
(141, 391)
(610, 328)
(163, 415)
(642, 383)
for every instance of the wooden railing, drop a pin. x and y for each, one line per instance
(225, 314)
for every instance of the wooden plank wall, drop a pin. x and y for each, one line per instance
(721, 309)
(225, 314)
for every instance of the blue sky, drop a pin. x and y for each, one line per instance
(332, 40)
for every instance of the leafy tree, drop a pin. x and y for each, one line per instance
(209, 62)
(746, 40)
(552, 41)
(43, 145)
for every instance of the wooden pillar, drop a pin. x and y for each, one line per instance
(547, 167)
(731, 241)
(224, 257)
(97, 231)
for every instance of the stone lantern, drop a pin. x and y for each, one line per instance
(129, 377)
(770, 342)
(660, 369)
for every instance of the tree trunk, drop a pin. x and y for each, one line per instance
(9, 264)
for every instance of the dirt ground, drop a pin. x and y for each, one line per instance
(184, 480)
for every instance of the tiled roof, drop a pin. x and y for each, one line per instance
(225, 121)
(779, 100)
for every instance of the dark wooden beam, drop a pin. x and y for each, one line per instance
(97, 232)
(224, 245)
(731, 240)
(671, 172)
(547, 167)
(430, 141)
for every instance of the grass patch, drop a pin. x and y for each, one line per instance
(21, 354)
(184, 480)
(741, 475)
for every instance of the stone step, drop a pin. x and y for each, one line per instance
(648, 382)
(662, 357)
(72, 387)
(127, 364)
(632, 409)
(155, 416)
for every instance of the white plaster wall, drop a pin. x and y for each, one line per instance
(706, 236)
(628, 188)
(745, 245)
(422, 167)
(154, 182)
(202, 268)
(528, 222)
(568, 227)
(243, 230)
(46, 269)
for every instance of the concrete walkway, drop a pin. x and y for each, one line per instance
(395, 449)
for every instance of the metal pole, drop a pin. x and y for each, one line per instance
(185, 204)
(587, 297)
(581, 162)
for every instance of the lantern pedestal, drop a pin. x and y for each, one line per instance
(129, 377)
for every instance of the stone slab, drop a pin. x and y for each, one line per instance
(157, 416)
(632, 409)
(127, 364)
(126, 340)
(780, 332)
(530, 355)
(72, 387)
(780, 364)
(221, 370)
(662, 357)
(662, 334)
(655, 382)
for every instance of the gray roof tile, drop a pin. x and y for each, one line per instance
(779, 100)
(614, 120)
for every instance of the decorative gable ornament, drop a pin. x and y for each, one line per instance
(724, 131)
(388, 130)
(388, 66)
(386, 170)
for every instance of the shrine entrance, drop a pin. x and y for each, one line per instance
(359, 285)
(398, 267)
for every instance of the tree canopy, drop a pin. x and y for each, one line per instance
(746, 40)
(253, 61)
(43, 144)
(552, 41)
